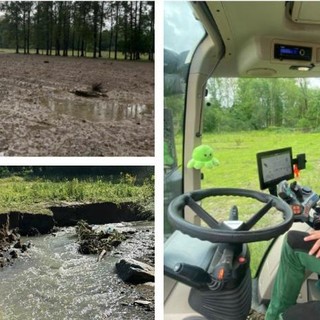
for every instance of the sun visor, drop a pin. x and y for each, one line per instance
(305, 12)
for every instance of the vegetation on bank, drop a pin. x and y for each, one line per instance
(34, 194)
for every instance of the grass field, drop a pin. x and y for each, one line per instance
(105, 54)
(35, 195)
(238, 168)
(237, 155)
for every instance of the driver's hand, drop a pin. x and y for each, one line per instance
(314, 236)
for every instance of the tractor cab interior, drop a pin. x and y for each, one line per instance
(207, 262)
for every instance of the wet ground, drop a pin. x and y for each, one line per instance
(53, 281)
(42, 116)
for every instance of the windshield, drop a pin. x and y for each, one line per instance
(245, 116)
(182, 34)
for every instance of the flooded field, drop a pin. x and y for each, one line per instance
(53, 281)
(42, 116)
(98, 111)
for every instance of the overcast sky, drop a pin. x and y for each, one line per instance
(181, 30)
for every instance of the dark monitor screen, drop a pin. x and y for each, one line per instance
(274, 166)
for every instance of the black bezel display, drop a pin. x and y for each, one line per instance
(289, 52)
(274, 166)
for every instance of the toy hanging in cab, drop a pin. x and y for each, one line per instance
(202, 156)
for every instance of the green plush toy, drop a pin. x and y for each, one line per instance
(202, 156)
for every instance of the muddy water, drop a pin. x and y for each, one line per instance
(97, 110)
(53, 281)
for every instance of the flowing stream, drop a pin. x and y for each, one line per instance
(53, 281)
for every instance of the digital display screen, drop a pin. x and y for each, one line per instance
(274, 166)
(290, 52)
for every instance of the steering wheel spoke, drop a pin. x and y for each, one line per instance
(202, 214)
(256, 217)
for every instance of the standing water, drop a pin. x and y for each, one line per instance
(54, 281)
(98, 110)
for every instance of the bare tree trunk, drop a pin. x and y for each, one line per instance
(28, 29)
(116, 32)
(101, 28)
(138, 40)
(151, 53)
(111, 34)
(95, 27)
(131, 30)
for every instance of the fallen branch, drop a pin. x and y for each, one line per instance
(101, 255)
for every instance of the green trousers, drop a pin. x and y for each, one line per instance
(294, 261)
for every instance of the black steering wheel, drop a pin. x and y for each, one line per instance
(220, 232)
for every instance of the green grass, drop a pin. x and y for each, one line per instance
(105, 54)
(237, 154)
(35, 195)
(238, 168)
(4, 50)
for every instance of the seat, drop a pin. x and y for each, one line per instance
(306, 311)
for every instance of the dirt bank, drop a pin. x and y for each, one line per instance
(69, 214)
(42, 116)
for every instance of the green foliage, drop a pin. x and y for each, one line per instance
(176, 104)
(35, 195)
(255, 104)
(212, 118)
(4, 172)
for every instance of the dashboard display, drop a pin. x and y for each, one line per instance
(274, 166)
(289, 52)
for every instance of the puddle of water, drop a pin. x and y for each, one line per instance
(97, 110)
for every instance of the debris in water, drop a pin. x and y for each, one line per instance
(101, 255)
(92, 242)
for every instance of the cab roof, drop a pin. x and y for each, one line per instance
(267, 38)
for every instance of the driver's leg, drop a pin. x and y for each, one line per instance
(295, 259)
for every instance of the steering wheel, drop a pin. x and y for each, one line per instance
(221, 233)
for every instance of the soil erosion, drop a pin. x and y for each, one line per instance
(70, 106)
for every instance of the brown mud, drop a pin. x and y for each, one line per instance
(42, 116)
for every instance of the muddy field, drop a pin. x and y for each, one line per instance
(41, 114)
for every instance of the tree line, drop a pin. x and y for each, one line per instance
(234, 104)
(78, 27)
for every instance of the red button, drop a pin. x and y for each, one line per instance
(242, 259)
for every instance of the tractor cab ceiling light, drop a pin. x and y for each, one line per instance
(302, 68)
